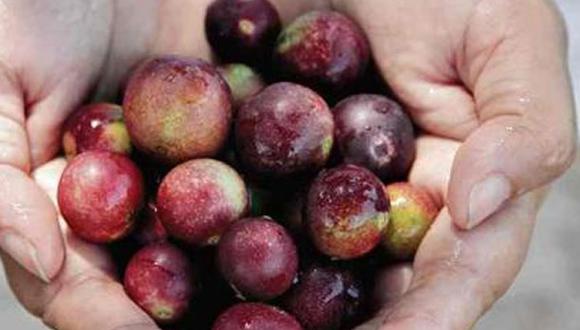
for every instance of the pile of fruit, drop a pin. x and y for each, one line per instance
(233, 203)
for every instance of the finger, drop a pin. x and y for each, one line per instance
(432, 166)
(390, 284)
(458, 275)
(519, 79)
(29, 230)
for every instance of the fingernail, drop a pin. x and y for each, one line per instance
(487, 197)
(23, 252)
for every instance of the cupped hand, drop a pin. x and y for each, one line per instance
(99, 41)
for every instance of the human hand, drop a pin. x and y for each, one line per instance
(491, 75)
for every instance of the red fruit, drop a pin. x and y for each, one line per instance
(177, 108)
(323, 49)
(99, 195)
(150, 229)
(255, 316)
(160, 279)
(412, 213)
(243, 81)
(198, 200)
(346, 211)
(258, 258)
(324, 298)
(374, 132)
(97, 127)
(285, 129)
(242, 30)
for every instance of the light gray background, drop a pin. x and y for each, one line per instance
(546, 294)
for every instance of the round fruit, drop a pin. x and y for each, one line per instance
(374, 132)
(97, 127)
(412, 213)
(159, 278)
(285, 129)
(99, 195)
(258, 258)
(243, 81)
(323, 49)
(199, 199)
(177, 108)
(347, 212)
(324, 298)
(255, 316)
(242, 30)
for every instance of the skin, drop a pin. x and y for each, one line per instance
(92, 52)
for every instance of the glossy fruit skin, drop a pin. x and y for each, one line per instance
(177, 108)
(324, 50)
(243, 81)
(346, 212)
(199, 199)
(373, 131)
(242, 30)
(412, 213)
(97, 127)
(258, 258)
(160, 279)
(149, 229)
(99, 195)
(284, 130)
(325, 298)
(255, 316)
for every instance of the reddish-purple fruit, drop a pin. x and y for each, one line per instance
(285, 129)
(412, 213)
(160, 279)
(258, 258)
(97, 126)
(323, 49)
(242, 30)
(255, 316)
(243, 81)
(150, 229)
(199, 199)
(100, 194)
(347, 212)
(374, 132)
(177, 108)
(325, 298)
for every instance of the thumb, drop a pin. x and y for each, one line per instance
(29, 231)
(523, 99)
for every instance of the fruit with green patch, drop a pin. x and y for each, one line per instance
(412, 213)
(199, 199)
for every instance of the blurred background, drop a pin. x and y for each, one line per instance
(546, 295)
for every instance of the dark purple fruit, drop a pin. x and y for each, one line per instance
(347, 212)
(286, 129)
(242, 30)
(254, 316)
(160, 279)
(374, 132)
(325, 298)
(258, 257)
(324, 50)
